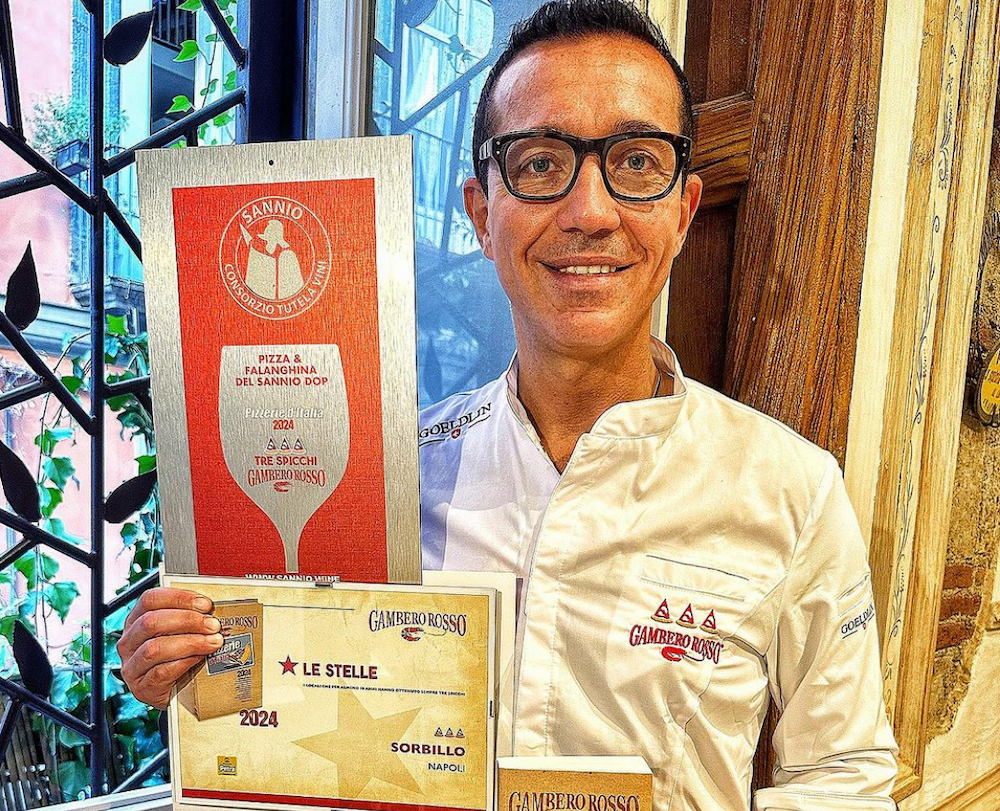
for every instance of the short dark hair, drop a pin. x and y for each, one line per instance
(573, 19)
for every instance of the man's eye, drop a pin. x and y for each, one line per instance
(539, 165)
(639, 162)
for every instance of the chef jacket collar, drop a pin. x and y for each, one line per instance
(635, 418)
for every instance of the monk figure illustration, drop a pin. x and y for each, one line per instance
(273, 270)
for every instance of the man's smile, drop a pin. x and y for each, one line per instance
(588, 270)
(594, 265)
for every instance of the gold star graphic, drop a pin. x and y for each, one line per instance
(359, 746)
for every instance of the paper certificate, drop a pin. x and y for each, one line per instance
(343, 696)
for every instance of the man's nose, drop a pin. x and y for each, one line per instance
(588, 207)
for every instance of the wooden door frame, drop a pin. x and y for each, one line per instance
(907, 398)
(896, 424)
(903, 403)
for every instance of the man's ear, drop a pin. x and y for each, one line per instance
(690, 198)
(476, 206)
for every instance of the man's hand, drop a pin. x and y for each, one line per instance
(167, 633)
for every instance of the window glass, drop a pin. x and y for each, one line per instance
(431, 59)
(180, 67)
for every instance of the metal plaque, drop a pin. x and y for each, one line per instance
(280, 302)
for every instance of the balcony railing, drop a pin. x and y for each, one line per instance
(171, 25)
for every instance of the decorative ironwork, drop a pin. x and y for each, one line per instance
(167, 23)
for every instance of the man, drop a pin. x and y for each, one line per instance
(680, 555)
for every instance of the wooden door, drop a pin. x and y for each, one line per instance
(764, 299)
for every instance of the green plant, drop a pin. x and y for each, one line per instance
(44, 598)
(57, 120)
(217, 130)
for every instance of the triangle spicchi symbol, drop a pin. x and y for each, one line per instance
(662, 614)
(709, 623)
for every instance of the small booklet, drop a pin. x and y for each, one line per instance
(574, 784)
(231, 679)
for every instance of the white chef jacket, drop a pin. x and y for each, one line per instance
(693, 555)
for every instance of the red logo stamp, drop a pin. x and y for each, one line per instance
(275, 258)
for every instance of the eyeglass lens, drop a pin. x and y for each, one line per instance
(540, 166)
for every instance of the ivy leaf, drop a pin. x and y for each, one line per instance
(23, 298)
(26, 566)
(74, 779)
(59, 469)
(117, 403)
(131, 708)
(72, 383)
(129, 497)
(146, 463)
(210, 88)
(113, 686)
(58, 528)
(60, 596)
(51, 498)
(127, 37)
(229, 83)
(62, 690)
(50, 566)
(115, 325)
(190, 5)
(222, 120)
(18, 485)
(33, 664)
(71, 739)
(181, 105)
(189, 51)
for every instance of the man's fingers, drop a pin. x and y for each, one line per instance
(162, 650)
(155, 685)
(160, 598)
(164, 622)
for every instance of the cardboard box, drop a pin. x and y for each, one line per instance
(232, 678)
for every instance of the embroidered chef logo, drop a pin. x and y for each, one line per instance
(453, 428)
(687, 639)
(858, 623)
(275, 258)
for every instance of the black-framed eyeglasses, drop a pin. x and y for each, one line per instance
(543, 164)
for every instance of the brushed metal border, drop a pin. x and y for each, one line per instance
(389, 161)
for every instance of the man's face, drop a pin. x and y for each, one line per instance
(590, 88)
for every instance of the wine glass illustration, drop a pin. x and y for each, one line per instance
(285, 430)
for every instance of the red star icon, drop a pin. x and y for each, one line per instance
(288, 666)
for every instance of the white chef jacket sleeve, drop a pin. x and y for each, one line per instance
(834, 746)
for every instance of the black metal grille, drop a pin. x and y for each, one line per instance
(278, 36)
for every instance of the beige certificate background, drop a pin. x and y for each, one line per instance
(335, 735)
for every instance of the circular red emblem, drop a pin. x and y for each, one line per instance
(456, 433)
(275, 258)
